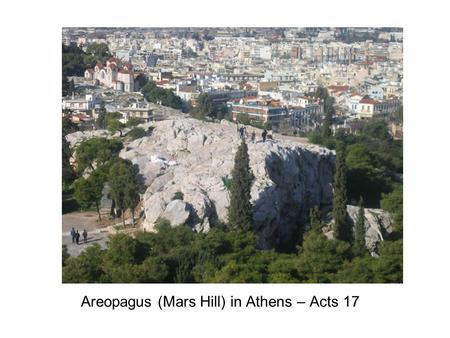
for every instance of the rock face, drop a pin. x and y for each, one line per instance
(177, 212)
(196, 158)
(377, 222)
(79, 136)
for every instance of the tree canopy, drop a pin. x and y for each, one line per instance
(155, 94)
(240, 211)
(96, 151)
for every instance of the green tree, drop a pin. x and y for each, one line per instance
(133, 122)
(114, 125)
(166, 97)
(388, 268)
(96, 152)
(65, 254)
(321, 258)
(240, 212)
(358, 156)
(99, 50)
(68, 174)
(328, 110)
(86, 268)
(68, 126)
(342, 229)
(378, 130)
(101, 120)
(314, 218)
(125, 186)
(358, 270)
(83, 193)
(136, 133)
(88, 192)
(359, 244)
(393, 203)
(122, 250)
(96, 182)
(152, 270)
(204, 106)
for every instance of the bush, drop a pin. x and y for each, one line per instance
(227, 182)
(136, 133)
(133, 122)
(178, 196)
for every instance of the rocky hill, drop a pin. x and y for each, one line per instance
(193, 159)
(186, 166)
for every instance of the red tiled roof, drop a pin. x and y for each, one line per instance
(368, 101)
(339, 88)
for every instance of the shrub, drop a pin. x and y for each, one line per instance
(178, 196)
(136, 133)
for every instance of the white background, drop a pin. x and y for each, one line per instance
(33, 301)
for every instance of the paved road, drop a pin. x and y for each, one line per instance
(80, 221)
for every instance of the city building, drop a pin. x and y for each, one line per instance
(114, 74)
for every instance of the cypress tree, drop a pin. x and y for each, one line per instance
(327, 124)
(359, 245)
(314, 218)
(328, 110)
(342, 230)
(240, 214)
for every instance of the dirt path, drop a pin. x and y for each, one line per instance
(298, 139)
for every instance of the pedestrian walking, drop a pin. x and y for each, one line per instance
(77, 237)
(72, 233)
(253, 136)
(241, 132)
(85, 236)
(264, 135)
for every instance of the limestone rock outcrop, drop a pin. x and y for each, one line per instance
(195, 158)
(377, 222)
(176, 212)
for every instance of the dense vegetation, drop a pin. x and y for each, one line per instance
(230, 253)
(98, 158)
(374, 160)
(205, 108)
(75, 61)
(166, 97)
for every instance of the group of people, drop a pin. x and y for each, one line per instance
(76, 236)
(242, 131)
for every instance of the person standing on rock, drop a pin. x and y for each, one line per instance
(85, 236)
(72, 233)
(77, 237)
(241, 132)
(264, 135)
(253, 136)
